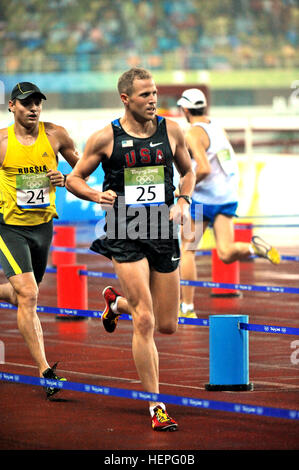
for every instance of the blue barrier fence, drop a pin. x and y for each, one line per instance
(86, 251)
(138, 395)
(183, 321)
(207, 284)
(134, 394)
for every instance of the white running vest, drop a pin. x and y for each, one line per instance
(221, 185)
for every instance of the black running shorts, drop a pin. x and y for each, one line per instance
(25, 248)
(162, 255)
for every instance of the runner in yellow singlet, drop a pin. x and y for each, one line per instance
(28, 181)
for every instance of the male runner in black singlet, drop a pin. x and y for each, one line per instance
(137, 153)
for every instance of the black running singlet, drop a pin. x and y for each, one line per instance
(132, 152)
(140, 169)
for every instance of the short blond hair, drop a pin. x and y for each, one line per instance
(125, 81)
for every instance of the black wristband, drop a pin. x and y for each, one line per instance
(65, 177)
(187, 198)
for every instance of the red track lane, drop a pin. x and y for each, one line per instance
(86, 353)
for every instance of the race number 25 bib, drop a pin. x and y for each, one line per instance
(144, 185)
(33, 190)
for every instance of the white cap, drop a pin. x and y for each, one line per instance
(192, 99)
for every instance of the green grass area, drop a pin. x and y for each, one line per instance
(227, 79)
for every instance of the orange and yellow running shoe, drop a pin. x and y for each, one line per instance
(161, 421)
(109, 318)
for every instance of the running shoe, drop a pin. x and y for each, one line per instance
(109, 318)
(264, 250)
(51, 375)
(162, 422)
(188, 314)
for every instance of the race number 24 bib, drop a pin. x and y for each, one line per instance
(144, 185)
(33, 190)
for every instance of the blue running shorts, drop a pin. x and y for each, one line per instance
(210, 211)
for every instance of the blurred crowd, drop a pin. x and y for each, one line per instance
(71, 35)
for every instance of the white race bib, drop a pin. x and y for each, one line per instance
(226, 161)
(144, 185)
(33, 190)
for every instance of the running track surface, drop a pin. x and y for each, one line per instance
(86, 353)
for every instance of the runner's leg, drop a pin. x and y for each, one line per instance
(227, 249)
(28, 321)
(134, 278)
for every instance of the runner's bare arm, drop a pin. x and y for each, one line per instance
(97, 148)
(62, 143)
(67, 147)
(195, 140)
(3, 144)
(182, 161)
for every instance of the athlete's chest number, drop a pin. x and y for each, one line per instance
(36, 197)
(144, 185)
(147, 193)
(33, 191)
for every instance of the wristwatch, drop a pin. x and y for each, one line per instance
(187, 198)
